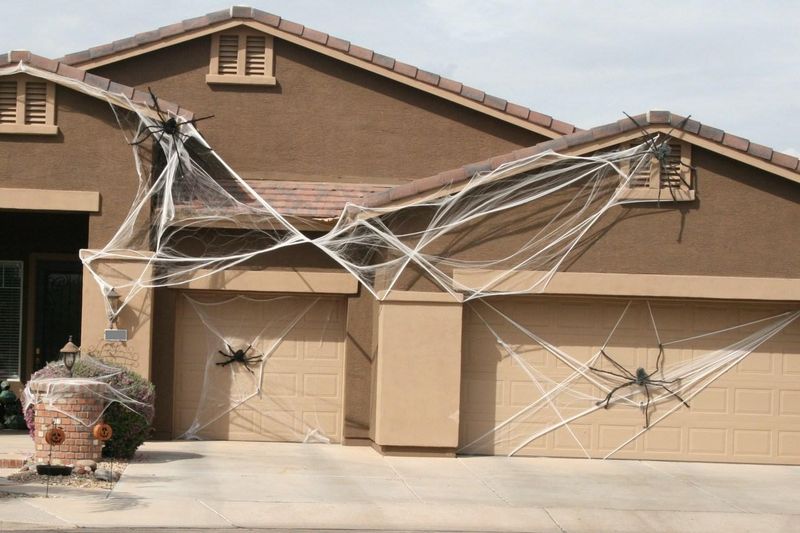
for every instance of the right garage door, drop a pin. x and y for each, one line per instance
(750, 414)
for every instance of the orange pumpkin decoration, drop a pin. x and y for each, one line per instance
(55, 436)
(102, 432)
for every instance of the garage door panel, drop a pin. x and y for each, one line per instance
(749, 414)
(303, 385)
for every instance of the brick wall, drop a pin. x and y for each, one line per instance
(74, 409)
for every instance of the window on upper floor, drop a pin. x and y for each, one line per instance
(27, 106)
(667, 179)
(241, 56)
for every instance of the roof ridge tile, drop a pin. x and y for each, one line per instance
(329, 41)
(577, 138)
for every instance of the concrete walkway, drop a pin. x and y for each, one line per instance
(296, 486)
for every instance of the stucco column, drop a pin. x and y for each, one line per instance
(418, 371)
(135, 317)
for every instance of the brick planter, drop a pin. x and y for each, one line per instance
(82, 403)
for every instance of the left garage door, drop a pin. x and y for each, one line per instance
(303, 383)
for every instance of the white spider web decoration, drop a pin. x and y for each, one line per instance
(194, 217)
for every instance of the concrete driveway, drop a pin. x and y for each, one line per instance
(311, 486)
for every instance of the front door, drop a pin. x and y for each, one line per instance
(58, 308)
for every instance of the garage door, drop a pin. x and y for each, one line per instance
(750, 414)
(300, 395)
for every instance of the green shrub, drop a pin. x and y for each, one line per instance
(130, 421)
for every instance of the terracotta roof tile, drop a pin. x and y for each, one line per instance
(266, 18)
(562, 127)
(405, 69)
(68, 71)
(383, 61)
(659, 118)
(760, 151)
(318, 38)
(291, 27)
(338, 44)
(472, 93)
(43, 63)
(540, 119)
(360, 52)
(96, 81)
(303, 198)
(715, 134)
(242, 12)
(450, 85)
(219, 16)
(15, 56)
(495, 102)
(518, 110)
(784, 160)
(195, 23)
(427, 77)
(169, 30)
(736, 142)
(315, 36)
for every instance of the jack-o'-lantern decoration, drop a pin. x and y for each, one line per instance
(55, 436)
(102, 432)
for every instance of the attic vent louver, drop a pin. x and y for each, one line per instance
(241, 56)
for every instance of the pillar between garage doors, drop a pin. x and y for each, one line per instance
(417, 374)
(136, 316)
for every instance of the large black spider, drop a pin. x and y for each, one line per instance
(641, 378)
(166, 125)
(662, 151)
(240, 356)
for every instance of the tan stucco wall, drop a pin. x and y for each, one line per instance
(324, 118)
(88, 154)
(743, 223)
(135, 316)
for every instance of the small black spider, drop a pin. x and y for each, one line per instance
(166, 125)
(641, 378)
(240, 356)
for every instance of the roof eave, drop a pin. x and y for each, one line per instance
(330, 46)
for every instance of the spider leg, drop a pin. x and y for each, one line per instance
(225, 363)
(675, 394)
(224, 354)
(617, 365)
(659, 362)
(620, 376)
(647, 407)
(155, 104)
(249, 347)
(158, 141)
(249, 369)
(607, 399)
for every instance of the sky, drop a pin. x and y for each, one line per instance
(732, 64)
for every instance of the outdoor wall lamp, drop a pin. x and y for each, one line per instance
(69, 353)
(113, 298)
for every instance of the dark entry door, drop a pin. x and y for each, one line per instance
(58, 308)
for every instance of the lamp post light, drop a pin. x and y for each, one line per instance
(113, 298)
(69, 353)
